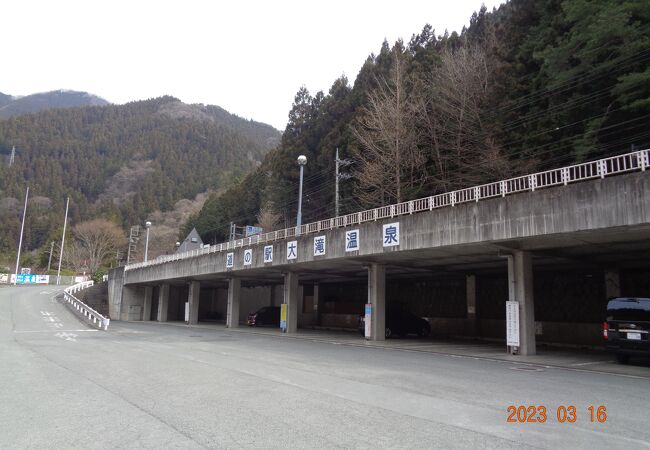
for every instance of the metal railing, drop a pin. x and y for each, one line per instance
(601, 168)
(89, 314)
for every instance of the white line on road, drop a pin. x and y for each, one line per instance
(590, 363)
(51, 331)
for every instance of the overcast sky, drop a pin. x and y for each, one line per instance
(247, 57)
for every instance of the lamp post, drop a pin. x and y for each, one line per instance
(147, 225)
(302, 160)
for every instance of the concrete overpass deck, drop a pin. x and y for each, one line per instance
(602, 224)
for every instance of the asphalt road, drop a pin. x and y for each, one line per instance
(147, 385)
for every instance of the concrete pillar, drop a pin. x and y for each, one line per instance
(291, 299)
(317, 320)
(132, 303)
(193, 298)
(612, 283)
(232, 314)
(301, 305)
(377, 298)
(146, 310)
(163, 302)
(470, 287)
(520, 276)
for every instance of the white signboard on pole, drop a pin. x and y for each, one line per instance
(512, 324)
(368, 321)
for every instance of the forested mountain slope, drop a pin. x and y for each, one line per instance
(528, 86)
(118, 162)
(15, 106)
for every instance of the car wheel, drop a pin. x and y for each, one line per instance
(424, 332)
(622, 358)
(389, 332)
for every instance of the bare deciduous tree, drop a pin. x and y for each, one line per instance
(94, 242)
(463, 150)
(390, 162)
(267, 218)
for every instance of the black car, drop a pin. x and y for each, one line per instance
(268, 315)
(627, 327)
(400, 322)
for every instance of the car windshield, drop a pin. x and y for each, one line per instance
(629, 309)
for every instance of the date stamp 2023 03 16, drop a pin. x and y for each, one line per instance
(563, 414)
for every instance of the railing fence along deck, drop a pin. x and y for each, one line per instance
(601, 168)
(89, 314)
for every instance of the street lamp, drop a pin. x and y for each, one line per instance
(147, 225)
(302, 160)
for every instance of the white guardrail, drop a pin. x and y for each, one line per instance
(86, 311)
(601, 168)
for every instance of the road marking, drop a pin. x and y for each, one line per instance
(589, 363)
(67, 336)
(52, 331)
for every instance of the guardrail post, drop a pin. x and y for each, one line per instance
(452, 198)
(411, 207)
(392, 210)
(431, 203)
(641, 159)
(602, 168)
(477, 193)
(565, 175)
(532, 182)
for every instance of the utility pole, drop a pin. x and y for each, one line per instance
(65, 223)
(20, 242)
(339, 162)
(336, 202)
(134, 237)
(49, 261)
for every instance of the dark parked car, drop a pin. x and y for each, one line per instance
(400, 322)
(627, 327)
(268, 315)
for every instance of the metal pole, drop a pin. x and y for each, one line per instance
(336, 197)
(146, 246)
(299, 221)
(20, 242)
(49, 261)
(65, 223)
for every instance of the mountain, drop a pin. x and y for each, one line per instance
(122, 162)
(5, 99)
(15, 106)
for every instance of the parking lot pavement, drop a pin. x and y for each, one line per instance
(151, 385)
(578, 359)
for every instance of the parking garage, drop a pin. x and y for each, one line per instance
(560, 253)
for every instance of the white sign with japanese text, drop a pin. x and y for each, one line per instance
(391, 234)
(320, 243)
(230, 260)
(512, 324)
(248, 256)
(268, 253)
(352, 241)
(292, 250)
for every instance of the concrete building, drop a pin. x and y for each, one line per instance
(193, 241)
(558, 252)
